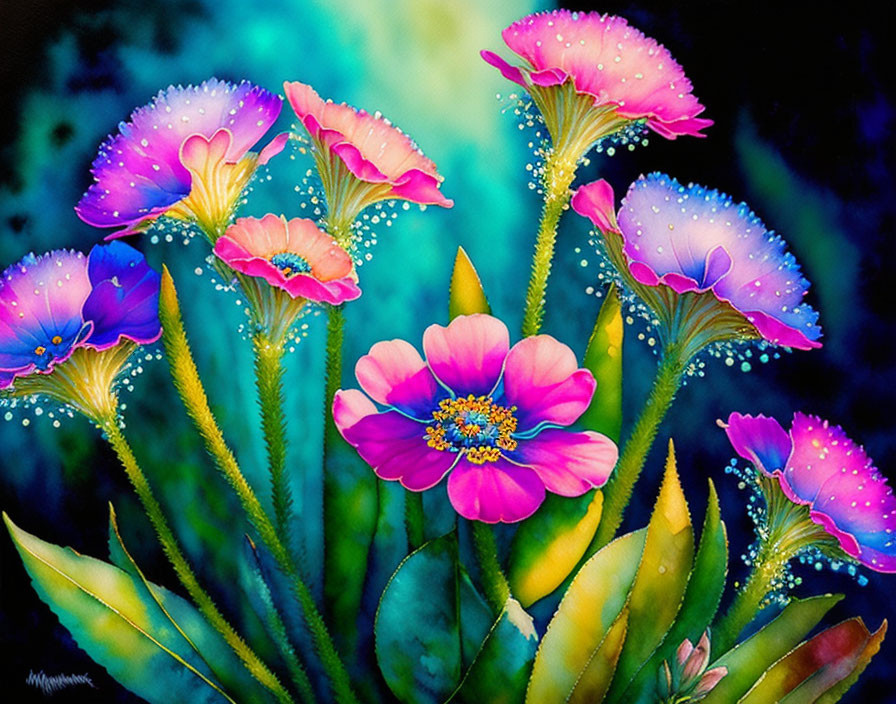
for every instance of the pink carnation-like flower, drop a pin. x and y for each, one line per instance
(489, 414)
(362, 158)
(691, 240)
(294, 255)
(185, 155)
(818, 466)
(592, 74)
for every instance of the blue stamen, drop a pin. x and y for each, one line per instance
(290, 263)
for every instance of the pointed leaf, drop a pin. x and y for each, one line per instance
(700, 603)
(661, 581)
(547, 547)
(603, 357)
(419, 643)
(747, 661)
(465, 295)
(589, 608)
(102, 607)
(501, 668)
(598, 673)
(871, 648)
(813, 667)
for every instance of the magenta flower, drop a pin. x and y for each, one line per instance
(819, 467)
(69, 322)
(362, 158)
(669, 241)
(293, 255)
(185, 155)
(491, 415)
(590, 75)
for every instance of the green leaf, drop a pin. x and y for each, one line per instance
(595, 679)
(546, 547)
(603, 357)
(595, 598)
(500, 671)
(814, 667)
(427, 618)
(661, 581)
(104, 610)
(747, 661)
(700, 603)
(465, 295)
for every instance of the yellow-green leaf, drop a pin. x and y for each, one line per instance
(547, 547)
(465, 296)
(603, 357)
(661, 580)
(104, 610)
(598, 673)
(595, 598)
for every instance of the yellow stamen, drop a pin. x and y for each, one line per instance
(39, 350)
(56, 339)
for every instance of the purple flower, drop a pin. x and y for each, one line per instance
(690, 240)
(819, 467)
(185, 155)
(491, 415)
(62, 312)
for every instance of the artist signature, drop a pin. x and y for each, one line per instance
(50, 684)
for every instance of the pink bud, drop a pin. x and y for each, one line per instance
(709, 680)
(684, 651)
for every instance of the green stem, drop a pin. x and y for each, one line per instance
(497, 590)
(557, 179)
(192, 394)
(619, 489)
(182, 567)
(413, 519)
(269, 380)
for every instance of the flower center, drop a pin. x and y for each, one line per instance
(475, 425)
(290, 263)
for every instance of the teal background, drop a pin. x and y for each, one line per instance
(804, 133)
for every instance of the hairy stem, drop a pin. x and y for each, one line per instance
(497, 590)
(182, 567)
(192, 394)
(634, 453)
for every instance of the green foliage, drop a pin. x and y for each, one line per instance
(141, 633)
(466, 295)
(430, 624)
(603, 357)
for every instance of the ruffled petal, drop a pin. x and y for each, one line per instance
(394, 374)
(467, 355)
(760, 440)
(494, 492)
(568, 463)
(542, 379)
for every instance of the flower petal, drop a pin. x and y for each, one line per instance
(596, 202)
(568, 463)
(393, 445)
(760, 440)
(542, 379)
(394, 374)
(467, 355)
(494, 492)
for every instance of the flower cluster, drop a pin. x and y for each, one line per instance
(490, 414)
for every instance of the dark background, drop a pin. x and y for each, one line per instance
(804, 133)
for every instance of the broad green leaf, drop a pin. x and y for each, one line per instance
(547, 547)
(589, 608)
(500, 671)
(104, 610)
(419, 639)
(603, 357)
(598, 673)
(871, 647)
(465, 296)
(661, 580)
(747, 661)
(700, 603)
(813, 667)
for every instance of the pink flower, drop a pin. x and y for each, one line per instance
(819, 467)
(185, 155)
(692, 240)
(362, 158)
(491, 415)
(293, 255)
(591, 75)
